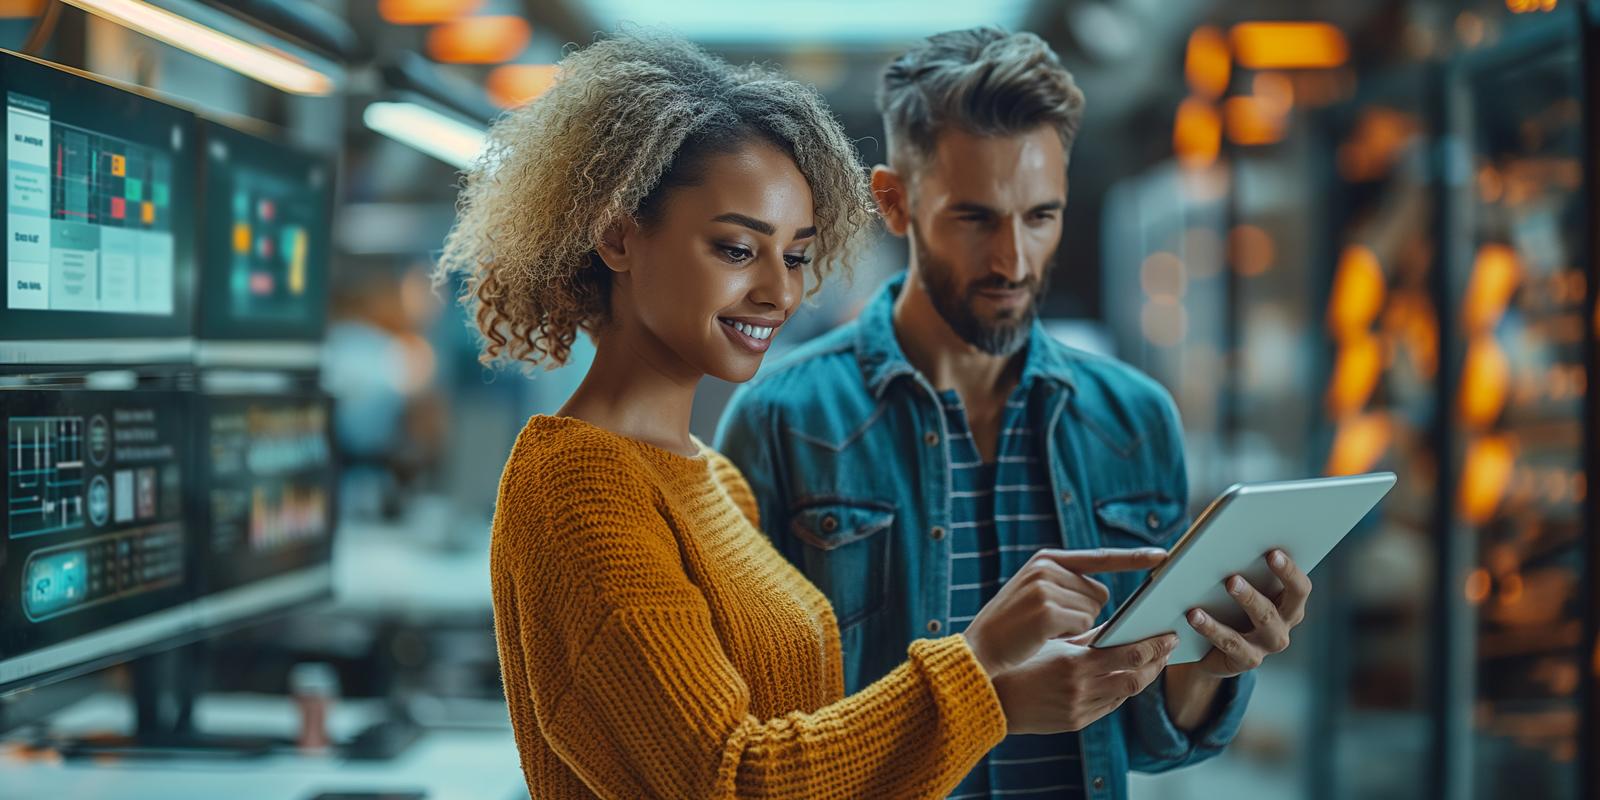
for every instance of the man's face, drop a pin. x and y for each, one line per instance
(984, 222)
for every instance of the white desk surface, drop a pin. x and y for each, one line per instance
(446, 764)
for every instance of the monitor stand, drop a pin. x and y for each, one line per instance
(165, 686)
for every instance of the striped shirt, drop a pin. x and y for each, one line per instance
(1001, 512)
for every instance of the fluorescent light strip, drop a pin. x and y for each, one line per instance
(449, 140)
(273, 69)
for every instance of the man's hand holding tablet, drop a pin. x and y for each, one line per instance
(1231, 589)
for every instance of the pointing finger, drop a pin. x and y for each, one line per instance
(1089, 562)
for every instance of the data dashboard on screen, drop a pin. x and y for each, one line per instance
(265, 245)
(99, 206)
(267, 485)
(96, 530)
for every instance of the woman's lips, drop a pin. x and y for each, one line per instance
(751, 333)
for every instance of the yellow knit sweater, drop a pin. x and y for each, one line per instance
(655, 645)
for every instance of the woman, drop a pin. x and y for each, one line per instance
(652, 642)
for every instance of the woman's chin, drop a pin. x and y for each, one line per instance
(738, 370)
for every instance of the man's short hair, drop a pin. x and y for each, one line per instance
(983, 81)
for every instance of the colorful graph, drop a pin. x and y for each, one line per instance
(106, 181)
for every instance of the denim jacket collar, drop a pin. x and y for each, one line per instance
(881, 360)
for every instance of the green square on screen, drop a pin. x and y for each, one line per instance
(158, 194)
(133, 189)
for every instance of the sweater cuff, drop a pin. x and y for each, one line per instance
(969, 709)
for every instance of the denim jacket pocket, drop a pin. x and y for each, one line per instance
(1139, 520)
(846, 552)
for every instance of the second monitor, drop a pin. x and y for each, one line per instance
(265, 242)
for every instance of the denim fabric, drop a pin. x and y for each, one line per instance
(845, 446)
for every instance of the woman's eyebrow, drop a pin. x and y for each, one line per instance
(805, 233)
(759, 226)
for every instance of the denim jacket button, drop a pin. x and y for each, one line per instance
(937, 533)
(830, 524)
(934, 625)
(1152, 520)
(1099, 783)
(1066, 497)
(930, 438)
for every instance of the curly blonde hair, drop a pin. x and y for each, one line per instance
(627, 119)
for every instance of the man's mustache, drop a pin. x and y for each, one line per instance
(998, 283)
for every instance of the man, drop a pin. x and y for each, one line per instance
(911, 460)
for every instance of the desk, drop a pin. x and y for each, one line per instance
(447, 764)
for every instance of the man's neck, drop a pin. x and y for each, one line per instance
(944, 358)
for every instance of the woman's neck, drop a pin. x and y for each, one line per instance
(638, 388)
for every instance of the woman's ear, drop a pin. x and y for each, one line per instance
(620, 245)
(894, 202)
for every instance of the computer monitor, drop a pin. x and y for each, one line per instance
(99, 241)
(265, 231)
(95, 561)
(140, 520)
(267, 489)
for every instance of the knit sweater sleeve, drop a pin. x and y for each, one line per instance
(632, 690)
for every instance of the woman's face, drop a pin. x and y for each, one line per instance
(709, 284)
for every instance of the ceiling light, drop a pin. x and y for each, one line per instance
(272, 68)
(425, 12)
(448, 139)
(515, 84)
(1289, 45)
(479, 40)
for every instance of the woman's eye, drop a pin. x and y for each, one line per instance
(796, 262)
(737, 255)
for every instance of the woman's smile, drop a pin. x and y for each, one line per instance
(752, 333)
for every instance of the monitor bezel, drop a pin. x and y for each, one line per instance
(84, 327)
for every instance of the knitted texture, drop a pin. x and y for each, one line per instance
(653, 644)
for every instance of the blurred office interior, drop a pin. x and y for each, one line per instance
(1348, 236)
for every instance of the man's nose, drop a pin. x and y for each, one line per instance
(1006, 252)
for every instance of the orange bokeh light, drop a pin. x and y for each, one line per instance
(1275, 89)
(1208, 64)
(1250, 250)
(1524, 6)
(1358, 292)
(1495, 274)
(1197, 133)
(1358, 444)
(1253, 120)
(1484, 477)
(21, 9)
(514, 84)
(1288, 45)
(1485, 381)
(1478, 585)
(425, 12)
(479, 40)
(1410, 320)
(1355, 374)
(1378, 139)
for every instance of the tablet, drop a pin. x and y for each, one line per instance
(1304, 519)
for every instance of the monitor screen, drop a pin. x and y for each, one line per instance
(96, 537)
(264, 245)
(99, 209)
(268, 482)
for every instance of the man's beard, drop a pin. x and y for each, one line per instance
(1003, 337)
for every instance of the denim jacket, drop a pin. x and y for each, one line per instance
(844, 446)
